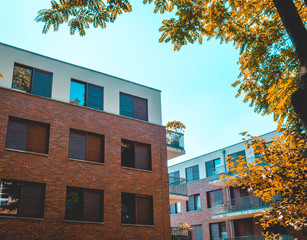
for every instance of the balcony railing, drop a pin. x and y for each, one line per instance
(214, 173)
(178, 186)
(182, 234)
(175, 140)
(255, 237)
(238, 204)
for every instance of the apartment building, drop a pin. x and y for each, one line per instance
(83, 154)
(214, 211)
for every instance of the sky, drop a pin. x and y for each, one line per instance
(195, 82)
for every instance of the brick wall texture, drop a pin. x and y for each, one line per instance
(58, 172)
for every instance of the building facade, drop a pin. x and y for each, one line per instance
(214, 211)
(83, 154)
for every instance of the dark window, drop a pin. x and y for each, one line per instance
(86, 94)
(132, 106)
(213, 167)
(193, 204)
(174, 178)
(136, 209)
(23, 199)
(236, 156)
(84, 204)
(197, 232)
(244, 227)
(213, 197)
(27, 135)
(192, 173)
(135, 155)
(32, 80)
(86, 146)
(175, 208)
(217, 230)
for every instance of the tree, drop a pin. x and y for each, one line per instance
(271, 35)
(278, 176)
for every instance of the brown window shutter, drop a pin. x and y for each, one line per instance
(210, 200)
(17, 134)
(142, 156)
(93, 205)
(94, 148)
(144, 208)
(140, 108)
(77, 145)
(32, 201)
(38, 137)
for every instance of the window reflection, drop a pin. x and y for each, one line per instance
(9, 197)
(22, 78)
(77, 93)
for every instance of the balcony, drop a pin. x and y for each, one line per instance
(255, 237)
(178, 191)
(181, 234)
(175, 144)
(238, 208)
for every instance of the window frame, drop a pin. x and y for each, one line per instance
(31, 80)
(214, 202)
(86, 85)
(83, 191)
(20, 206)
(219, 227)
(194, 177)
(133, 99)
(28, 122)
(177, 208)
(195, 199)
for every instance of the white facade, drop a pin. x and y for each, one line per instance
(218, 154)
(63, 73)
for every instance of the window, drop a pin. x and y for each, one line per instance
(213, 197)
(23, 199)
(135, 155)
(84, 204)
(193, 204)
(213, 167)
(137, 209)
(197, 232)
(27, 135)
(86, 94)
(236, 156)
(32, 80)
(244, 227)
(192, 173)
(174, 178)
(86, 146)
(132, 106)
(175, 208)
(217, 230)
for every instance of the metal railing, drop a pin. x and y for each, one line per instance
(182, 234)
(175, 139)
(178, 186)
(238, 204)
(255, 237)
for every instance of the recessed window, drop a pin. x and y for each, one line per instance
(86, 146)
(86, 94)
(174, 178)
(135, 155)
(193, 204)
(134, 107)
(175, 208)
(234, 157)
(214, 197)
(84, 204)
(136, 209)
(217, 230)
(192, 173)
(27, 135)
(213, 167)
(197, 232)
(23, 199)
(32, 80)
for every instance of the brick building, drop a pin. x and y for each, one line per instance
(83, 154)
(214, 211)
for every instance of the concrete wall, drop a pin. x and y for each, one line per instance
(64, 72)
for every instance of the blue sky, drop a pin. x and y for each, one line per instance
(195, 82)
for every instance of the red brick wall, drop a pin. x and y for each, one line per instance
(58, 172)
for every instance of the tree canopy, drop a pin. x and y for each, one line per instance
(269, 64)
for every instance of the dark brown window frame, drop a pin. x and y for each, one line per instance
(195, 196)
(208, 198)
(29, 122)
(134, 157)
(21, 193)
(102, 136)
(133, 101)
